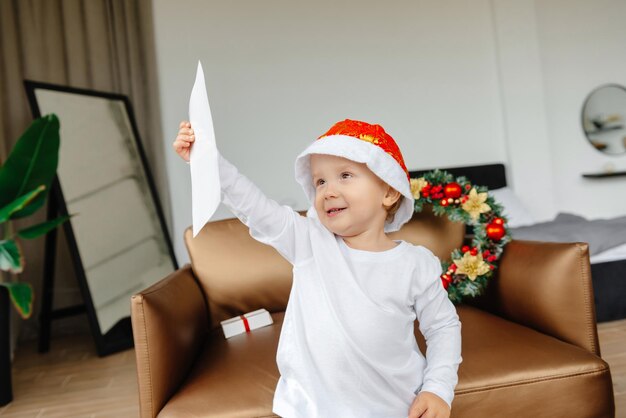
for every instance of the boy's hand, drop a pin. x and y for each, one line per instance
(429, 405)
(183, 142)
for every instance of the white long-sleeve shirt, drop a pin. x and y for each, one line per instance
(347, 347)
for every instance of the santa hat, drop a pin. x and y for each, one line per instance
(363, 143)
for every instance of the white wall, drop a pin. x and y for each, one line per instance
(280, 73)
(529, 161)
(455, 83)
(583, 45)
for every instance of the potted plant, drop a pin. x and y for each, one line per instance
(25, 178)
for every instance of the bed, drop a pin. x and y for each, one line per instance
(607, 258)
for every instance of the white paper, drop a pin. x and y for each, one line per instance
(205, 179)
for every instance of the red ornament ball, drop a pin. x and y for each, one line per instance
(465, 248)
(453, 190)
(443, 202)
(495, 231)
(498, 221)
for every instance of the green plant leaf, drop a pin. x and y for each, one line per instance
(10, 256)
(19, 203)
(42, 228)
(32, 162)
(22, 297)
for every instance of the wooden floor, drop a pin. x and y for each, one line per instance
(72, 381)
(612, 337)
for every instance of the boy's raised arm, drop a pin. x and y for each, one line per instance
(270, 223)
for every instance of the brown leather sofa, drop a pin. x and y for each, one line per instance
(530, 344)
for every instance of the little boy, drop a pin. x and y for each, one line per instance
(347, 347)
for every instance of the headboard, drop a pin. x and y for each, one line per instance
(490, 175)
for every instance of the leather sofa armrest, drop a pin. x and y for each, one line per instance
(546, 286)
(170, 323)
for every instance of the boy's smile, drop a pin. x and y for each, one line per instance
(335, 211)
(350, 199)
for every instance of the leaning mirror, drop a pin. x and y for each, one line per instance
(603, 118)
(117, 237)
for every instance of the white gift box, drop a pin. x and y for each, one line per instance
(246, 323)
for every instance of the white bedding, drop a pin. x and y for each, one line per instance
(519, 216)
(612, 254)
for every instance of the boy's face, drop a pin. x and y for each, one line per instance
(349, 197)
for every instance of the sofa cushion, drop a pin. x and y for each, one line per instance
(233, 377)
(437, 233)
(237, 273)
(508, 371)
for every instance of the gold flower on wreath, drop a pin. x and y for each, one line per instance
(471, 265)
(417, 185)
(475, 204)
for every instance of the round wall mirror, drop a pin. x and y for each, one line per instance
(604, 118)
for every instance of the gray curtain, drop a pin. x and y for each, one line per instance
(105, 45)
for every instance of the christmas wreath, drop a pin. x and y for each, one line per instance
(472, 265)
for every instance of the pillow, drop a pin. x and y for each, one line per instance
(513, 209)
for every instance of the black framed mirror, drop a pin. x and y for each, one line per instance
(604, 119)
(118, 238)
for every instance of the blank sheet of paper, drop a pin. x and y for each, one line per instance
(205, 179)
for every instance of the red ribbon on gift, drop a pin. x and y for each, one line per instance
(245, 323)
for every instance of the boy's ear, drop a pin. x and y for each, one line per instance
(391, 196)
